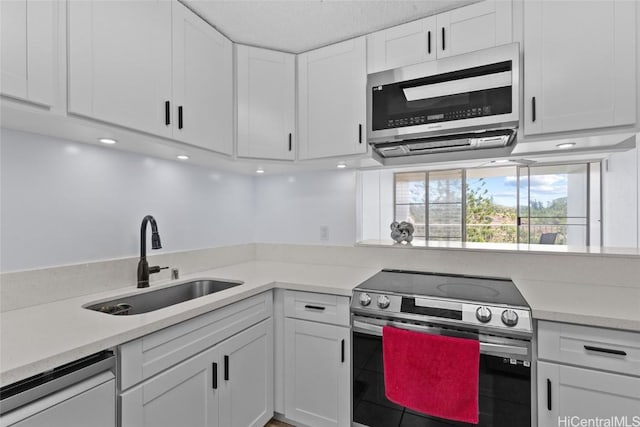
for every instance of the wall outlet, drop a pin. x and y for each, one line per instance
(324, 233)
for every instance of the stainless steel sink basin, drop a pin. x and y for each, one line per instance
(160, 298)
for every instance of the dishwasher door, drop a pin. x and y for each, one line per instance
(80, 397)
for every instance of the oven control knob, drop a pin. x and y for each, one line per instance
(383, 301)
(509, 317)
(483, 314)
(365, 299)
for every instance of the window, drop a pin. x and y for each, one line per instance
(510, 204)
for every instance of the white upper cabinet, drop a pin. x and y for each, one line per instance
(120, 63)
(28, 40)
(332, 100)
(202, 83)
(152, 66)
(402, 45)
(579, 79)
(266, 103)
(475, 27)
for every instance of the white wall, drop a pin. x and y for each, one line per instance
(620, 183)
(67, 203)
(293, 208)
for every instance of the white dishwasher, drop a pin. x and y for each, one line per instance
(78, 394)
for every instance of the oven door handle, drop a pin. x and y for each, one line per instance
(485, 347)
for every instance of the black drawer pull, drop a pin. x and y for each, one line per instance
(289, 142)
(429, 42)
(167, 113)
(443, 38)
(214, 375)
(226, 368)
(180, 117)
(342, 351)
(548, 394)
(314, 307)
(360, 134)
(605, 350)
(533, 109)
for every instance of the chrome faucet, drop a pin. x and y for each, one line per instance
(143, 266)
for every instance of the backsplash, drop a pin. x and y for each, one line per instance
(32, 287)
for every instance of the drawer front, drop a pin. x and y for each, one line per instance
(153, 353)
(599, 348)
(317, 307)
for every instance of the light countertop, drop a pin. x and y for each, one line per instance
(38, 338)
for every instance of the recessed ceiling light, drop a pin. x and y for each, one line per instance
(107, 140)
(182, 157)
(501, 161)
(566, 145)
(259, 170)
(341, 165)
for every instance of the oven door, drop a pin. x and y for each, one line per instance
(505, 380)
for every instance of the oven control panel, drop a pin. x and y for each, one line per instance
(445, 310)
(503, 317)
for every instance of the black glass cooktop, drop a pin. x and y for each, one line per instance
(462, 288)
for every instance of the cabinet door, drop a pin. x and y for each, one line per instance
(565, 392)
(332, 100)
(247, 382)
(475, 27)
(28, 36)
(266, 103)
(579, 79)
(202, 83)
(317, 373)
(120, 62)
(402, 45)
(184, 395)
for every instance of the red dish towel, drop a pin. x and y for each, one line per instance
(432, 374)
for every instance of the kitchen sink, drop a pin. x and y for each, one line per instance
(160, 298)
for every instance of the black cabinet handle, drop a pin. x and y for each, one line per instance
(214, 375)
(342, 351)
(226, 368)
(443, 45)
(429, 42)
(360, 133)
(167, 113)
(180, 117)
(533, 109)
(289, 142)
(548, 394)
(314, 307)
(605, 350)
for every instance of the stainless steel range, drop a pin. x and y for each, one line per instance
(489, 310)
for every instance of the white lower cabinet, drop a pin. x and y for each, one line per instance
(168, 379)
(604, 385)
(317, 374)
(183, 395)
(566, 392)
(246, 388)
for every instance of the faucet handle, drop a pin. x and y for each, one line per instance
(156, 269)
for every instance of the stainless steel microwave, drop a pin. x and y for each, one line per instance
(464, 102)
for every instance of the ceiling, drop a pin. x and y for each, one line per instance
(299, 25)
